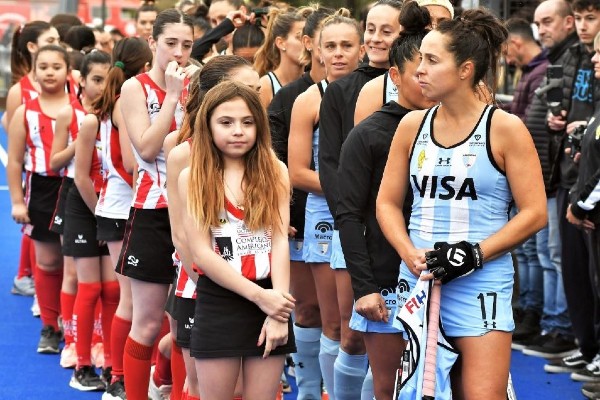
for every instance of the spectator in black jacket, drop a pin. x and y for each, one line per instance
(523, 51)
(580, 101)
(556, 27)
(584, 210)
(372, 262)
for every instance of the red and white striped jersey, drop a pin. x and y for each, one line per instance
(249, 253)
(38, 142)
(76, 121)
(185, 286)
(116, 193)
(151, 186)
(28, 92)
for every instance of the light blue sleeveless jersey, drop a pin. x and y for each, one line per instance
(318, 229)
(461, 194)
(390, 91)
(275, 84)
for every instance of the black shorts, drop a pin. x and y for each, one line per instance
(43, 195)
(147, 247)
(58, 219)
(110, 229)
(184, 315)
(79, 235)
(228, 325)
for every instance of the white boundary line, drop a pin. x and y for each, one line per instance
(3, 156)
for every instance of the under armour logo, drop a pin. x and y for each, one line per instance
(131, 260)
(456, 257)
(444, 160)
(300, 365)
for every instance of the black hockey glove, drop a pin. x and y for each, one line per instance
(451, 261)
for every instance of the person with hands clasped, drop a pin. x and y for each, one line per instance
(152, 106)
(464, 162)
(30, 136)
(236, 194)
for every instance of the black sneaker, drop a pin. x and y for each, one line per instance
(49, 341)
(115, 391)
(106, 375)
(591, 390)
(86, 379)
(528, 327)
(533, 340)
(557, 346)
(572, 363)
(591, 372)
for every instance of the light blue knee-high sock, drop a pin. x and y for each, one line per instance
(349, 374)
(368, 392)
(327, 355)
(306, 362)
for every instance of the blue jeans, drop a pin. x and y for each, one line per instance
(555, 317)
(531, 279)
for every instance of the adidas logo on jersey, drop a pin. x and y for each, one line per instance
(444, 188)
(131, 260)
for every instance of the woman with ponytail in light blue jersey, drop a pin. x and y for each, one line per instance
(464, 161)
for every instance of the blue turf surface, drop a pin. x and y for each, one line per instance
(24, 374)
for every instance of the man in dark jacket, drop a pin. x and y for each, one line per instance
(580, 101)
(525, 53)
(556, 28)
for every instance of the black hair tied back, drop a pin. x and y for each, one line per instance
(414, 19)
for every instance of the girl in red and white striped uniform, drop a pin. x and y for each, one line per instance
(177, 149)
(30, 139)
(131, 57)
(152, 104)
(25, 43)
(94, 69)
(236, 194)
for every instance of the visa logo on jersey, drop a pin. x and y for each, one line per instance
(444, 187)
(415, 302)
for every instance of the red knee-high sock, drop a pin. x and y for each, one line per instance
(97, 333)
(83, 320)
(110, 301)
(48, 284)
(136, 362)
(162, 370)
(25, 262)
(118, 337)
(177, 371)
(164, 329)
(67, 303)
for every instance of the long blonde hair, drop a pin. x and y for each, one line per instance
(263, 184)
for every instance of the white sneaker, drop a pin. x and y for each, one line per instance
(68, 356)
(97, 354)
(162, 392)
(35, 307)
(23, 286)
